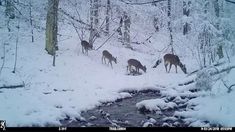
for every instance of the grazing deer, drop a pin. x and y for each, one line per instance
(136, 64)
(86, 46)
(173, 59)
(109, 56)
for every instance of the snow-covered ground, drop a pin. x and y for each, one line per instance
(79, 82)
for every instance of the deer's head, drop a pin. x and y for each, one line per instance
(183, 68)
(144, 68)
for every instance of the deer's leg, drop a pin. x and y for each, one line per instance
(170, 68)
(102, 59)
(111, 64)
(127, 68)
(166, 66)
(176, 68)
(130, 68)
(86, 52)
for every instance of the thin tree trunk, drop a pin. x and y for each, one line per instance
(91, 22)
(31, 20)
(217, 14)
(127, 25)
(108, 8)
(16, 48)
(169, 25)
(186, 12)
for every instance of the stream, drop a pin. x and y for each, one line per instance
(124, 113)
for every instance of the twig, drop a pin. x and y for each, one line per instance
(16, 50)
(228, 87)
(76, 30)
(3, 62)
(106, 40)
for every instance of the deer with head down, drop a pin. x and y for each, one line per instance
(136, 64)
(107, 55)
(85, 47)
(171, 59)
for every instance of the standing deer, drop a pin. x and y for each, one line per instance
(86, 46)
(173, 59)
(109, 56)
(136, 64)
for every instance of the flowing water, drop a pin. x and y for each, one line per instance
(124, 113)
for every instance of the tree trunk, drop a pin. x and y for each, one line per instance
(127, 25)
(91, 22)
(186, 12)
(169, 25)
(108, 8)
(96, 14)
(217, 14)
(94, 20)
(52, 27)
(31, 20)
(10, 10)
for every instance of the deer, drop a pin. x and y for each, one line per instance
(173, 60)
(136, 64)
(85, 46)
(109, 56)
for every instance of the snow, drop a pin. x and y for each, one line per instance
(155, 104)
(78, 82)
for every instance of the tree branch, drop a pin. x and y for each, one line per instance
(141, 3)
(12, 86)
(233, 2)
(228, 87)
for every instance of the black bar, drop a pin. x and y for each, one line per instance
(114, 129)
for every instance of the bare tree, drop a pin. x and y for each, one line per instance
(186, 12)
(10, 10)
(217, 25)
(108, 10)
(127, 25)
(169, 25)
(31, 20)
(94, 20)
